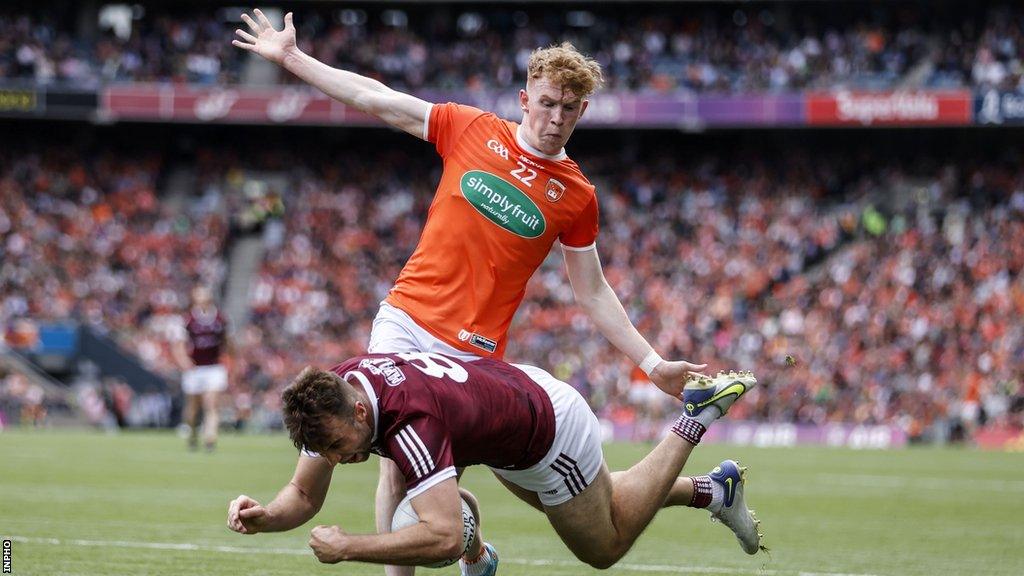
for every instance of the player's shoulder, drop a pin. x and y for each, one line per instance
(465, 112)
(495, 126)
(347, 366)
(474, 123)
(577, 172)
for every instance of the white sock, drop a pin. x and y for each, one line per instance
(708, 415)
(480, 565)
(717, 496)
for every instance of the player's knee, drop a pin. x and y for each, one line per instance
(601, 561)
(602, 557)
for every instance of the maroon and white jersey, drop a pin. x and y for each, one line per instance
(207, 331)
(433, 413)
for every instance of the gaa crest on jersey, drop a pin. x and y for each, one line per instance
(554, 190)
(385, 367)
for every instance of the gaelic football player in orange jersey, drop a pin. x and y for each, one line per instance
(507, 194)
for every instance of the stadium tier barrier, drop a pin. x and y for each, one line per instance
(679, 110)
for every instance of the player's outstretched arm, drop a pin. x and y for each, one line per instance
(435, 538)
(398, 109)
(599, 301)
(293, 506)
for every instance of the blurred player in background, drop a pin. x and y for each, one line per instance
(432, 414)
(507, 194)
(200, 353)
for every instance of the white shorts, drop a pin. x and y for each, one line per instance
(395, 331)
(575, 458)
(213, 378)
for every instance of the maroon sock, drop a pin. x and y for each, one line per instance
(689, 429)
(701, 492)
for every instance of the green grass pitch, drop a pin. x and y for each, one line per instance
(139, 503)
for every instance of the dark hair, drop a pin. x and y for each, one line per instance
(307, 402)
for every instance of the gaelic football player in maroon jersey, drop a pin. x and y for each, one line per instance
(432, 414)
(200, 355)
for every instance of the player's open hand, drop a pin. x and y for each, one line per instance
(328, 543)
(246, 516)
(266, 41)
(670, 377)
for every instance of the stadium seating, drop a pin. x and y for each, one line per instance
(707, 47)
(907, 324)
(890, 284)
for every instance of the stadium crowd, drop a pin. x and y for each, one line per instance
(721, 266)
(714, 48)
(898, 315)
(87, 237)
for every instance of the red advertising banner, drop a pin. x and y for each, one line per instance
(301, 105)
(225, 104)
(845, 108)
(1000, 438)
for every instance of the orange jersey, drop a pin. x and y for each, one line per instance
(497, 211)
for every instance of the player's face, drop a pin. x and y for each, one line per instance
(201, 297)
(550, 113)
(349, 438)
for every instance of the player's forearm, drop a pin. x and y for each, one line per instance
(417, 545)
(346, 87)
(289, 509)
(611, 320)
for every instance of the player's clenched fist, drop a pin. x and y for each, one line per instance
(246, 516)
(328, 543)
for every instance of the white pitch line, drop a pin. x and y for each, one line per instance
(520, 561)
(931, 483)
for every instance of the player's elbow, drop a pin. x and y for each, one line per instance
(305, 503)
(451, 544)
(447, 542)
(587, 298)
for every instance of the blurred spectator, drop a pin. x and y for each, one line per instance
(709, 47)
(893, 283)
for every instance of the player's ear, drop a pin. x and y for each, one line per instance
(360, 412)
(583, 107)
(524, 100)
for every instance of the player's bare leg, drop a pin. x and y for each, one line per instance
(477, 545)
(601, 524)
(211, 419)
(681, 493)
(191, 419)
(523, 494)
(480, 558)
(390, 491)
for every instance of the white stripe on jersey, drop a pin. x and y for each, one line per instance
(424, 461)
(428, 460)
(437, 478)
(412, 458)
